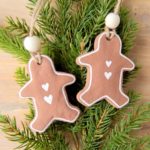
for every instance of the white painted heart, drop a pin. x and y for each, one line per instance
(45, 86)
(108, 75)
(108, 63)
(48, 99)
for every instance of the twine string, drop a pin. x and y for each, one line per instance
(118, 6)
(39, 5)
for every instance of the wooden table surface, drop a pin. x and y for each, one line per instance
(9, 101)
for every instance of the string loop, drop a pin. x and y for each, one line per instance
(118, 6)
(39, 5)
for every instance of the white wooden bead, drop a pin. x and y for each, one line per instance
(112, 20)
(32, 43)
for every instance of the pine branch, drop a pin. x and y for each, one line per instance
(31, 113)
(95, 130)
(102, 127)
(13, 45)
(49, 140)
(127, 29)
(19, 27)
(129, 76)
(31, 4)
(119, 136)
(94, 124)
(25, 137)
(90, 15)
(134, 97)
(142, 143)
(21, 76)
(48, 20)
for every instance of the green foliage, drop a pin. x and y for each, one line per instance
(130, 75)
(21, 76)
(62, 29)
(13, 44)
(25, 137)
(141, 143)
(28, 139)
(31, 113)
(20, 27)
(94, 125)
(119, 137)
(127, 35)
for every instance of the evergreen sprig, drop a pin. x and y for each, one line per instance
(141, 143)
(13, 44)
(20, 27)
(119, 137)
(62, 29)
(21, 76)
(28, 139)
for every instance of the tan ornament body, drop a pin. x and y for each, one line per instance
(47, 89)
(105, 66)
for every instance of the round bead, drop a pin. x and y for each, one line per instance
(32, 43)
(112, 20)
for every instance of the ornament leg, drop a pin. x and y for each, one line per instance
(40, 124)
(69, 113)
(119, 100)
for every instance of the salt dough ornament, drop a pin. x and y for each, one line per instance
(105, 66)
(47, 89)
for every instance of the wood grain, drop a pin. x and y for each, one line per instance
(9, 101)
(140, 11)
(141, 52)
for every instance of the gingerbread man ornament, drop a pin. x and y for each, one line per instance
(105, 66)
(47, 89)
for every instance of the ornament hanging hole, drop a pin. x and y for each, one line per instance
(39, 63)
(109, 36)
(37, 58)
